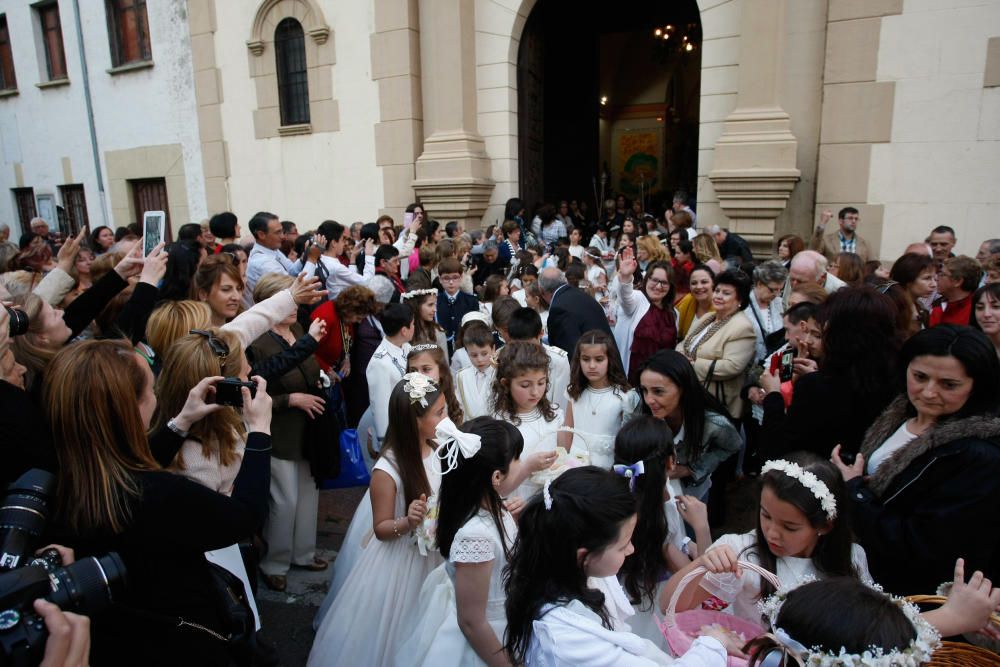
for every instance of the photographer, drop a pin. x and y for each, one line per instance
(112, 495)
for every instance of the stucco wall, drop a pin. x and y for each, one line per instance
(942, 164)
(311, 177)
(147, 107)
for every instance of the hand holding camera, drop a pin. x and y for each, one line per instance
(257, 406)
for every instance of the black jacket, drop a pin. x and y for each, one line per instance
(736, 246)
(449, 315)
(931, 502)
(572, 313)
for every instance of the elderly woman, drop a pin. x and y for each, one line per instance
(646, 320)
(291, 527)
(723, 343)
(765, 307)
(923, 488)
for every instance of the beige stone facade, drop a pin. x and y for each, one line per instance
(889, 105)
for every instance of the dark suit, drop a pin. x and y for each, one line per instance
(571, 313)
(449, 315)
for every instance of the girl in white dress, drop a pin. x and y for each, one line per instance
(432, 360)
(519, 397)
(599, 399)
(364, 623)
(800, 536)
(580, 527)
(462, 620)
(644, 454)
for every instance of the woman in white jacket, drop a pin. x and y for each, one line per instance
(647, 321)
(581, 526)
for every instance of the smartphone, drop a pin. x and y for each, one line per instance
(229, 391)
(787, 357)
(153, 224)
(407, 220)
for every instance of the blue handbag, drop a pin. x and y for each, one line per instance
(353, 471)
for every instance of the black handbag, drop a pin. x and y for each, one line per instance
(321, 445)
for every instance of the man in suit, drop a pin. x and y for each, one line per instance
(571, 311)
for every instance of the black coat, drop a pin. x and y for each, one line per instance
(573, 312)
(932, 501)
(736, 246)
(449, 315)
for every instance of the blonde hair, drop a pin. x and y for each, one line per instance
(28, 351)
(187, 362)
(270, 284)
(20, 283)
(653, 248)
(91, 398)
(705, 248)
(173, 319)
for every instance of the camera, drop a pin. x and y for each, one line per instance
(228, 391)
(17, 321)
(85, 587)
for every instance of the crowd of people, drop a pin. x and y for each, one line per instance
(552, 411)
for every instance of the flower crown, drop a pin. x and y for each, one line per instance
(418, 385)
(918, 652)
(413, 294)
(807, 479)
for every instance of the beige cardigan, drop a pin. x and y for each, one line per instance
(732, 349)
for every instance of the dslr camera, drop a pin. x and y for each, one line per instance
(86, 587)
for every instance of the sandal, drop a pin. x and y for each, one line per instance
(276, 582)
(317, 565)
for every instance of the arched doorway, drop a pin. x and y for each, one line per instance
(609, 90)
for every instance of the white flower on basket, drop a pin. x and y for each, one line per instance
(426, 532)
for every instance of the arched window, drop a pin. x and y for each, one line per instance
(293, 81)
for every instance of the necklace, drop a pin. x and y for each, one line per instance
(590, 398)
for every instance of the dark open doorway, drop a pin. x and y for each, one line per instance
(609, 88)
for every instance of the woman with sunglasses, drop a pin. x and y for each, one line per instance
(646, 321)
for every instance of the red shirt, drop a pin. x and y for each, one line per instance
(337, 342)
(957, 312)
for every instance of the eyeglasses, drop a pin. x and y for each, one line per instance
(451, 278)
(656, 282)
(218, 347)
(773, 290)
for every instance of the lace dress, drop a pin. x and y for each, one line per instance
(365, 622)
(434, 638)
(597, 417)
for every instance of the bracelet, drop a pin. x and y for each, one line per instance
(395, 527)
(249, 449)
(177, 429)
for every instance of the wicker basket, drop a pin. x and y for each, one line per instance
(676, 626)
(956, 654)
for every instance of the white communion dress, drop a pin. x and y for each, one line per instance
(598, 415)
(435, 639)
(365, 622)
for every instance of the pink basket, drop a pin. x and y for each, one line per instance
(676, 626)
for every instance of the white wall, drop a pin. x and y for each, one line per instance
(312, 177)
(943, 163)
(155, 106)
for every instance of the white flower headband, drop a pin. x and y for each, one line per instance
(417, 292)
(453, 443)
(423, 347)
(918, 652)
(807, 479)
(418, 385)
(547, 495)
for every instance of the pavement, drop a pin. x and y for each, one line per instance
(287, 617)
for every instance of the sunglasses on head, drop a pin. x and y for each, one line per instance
(217, 345)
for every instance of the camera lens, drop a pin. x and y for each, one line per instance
(18, 321)
(23, 515)
(89, 585)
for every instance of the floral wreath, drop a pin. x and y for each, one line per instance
(807, 479)
(423, 347)
(918, 652)
(412, 294)
(418, 385)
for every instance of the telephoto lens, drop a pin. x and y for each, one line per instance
(22, 517)
(89, 585)
(17, 324)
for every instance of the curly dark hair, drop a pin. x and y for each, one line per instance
(356, 301)
(515, 359)
(616, 372)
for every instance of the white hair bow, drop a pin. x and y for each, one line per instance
(453, 443)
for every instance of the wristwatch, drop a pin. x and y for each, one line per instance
(177, 429)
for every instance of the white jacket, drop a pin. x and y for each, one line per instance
(385, 369)
(573, 636)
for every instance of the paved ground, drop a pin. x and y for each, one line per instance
(287, 617)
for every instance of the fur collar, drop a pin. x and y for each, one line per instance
(980, 427)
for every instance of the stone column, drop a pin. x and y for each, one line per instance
(754, 168)
(453, 172)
